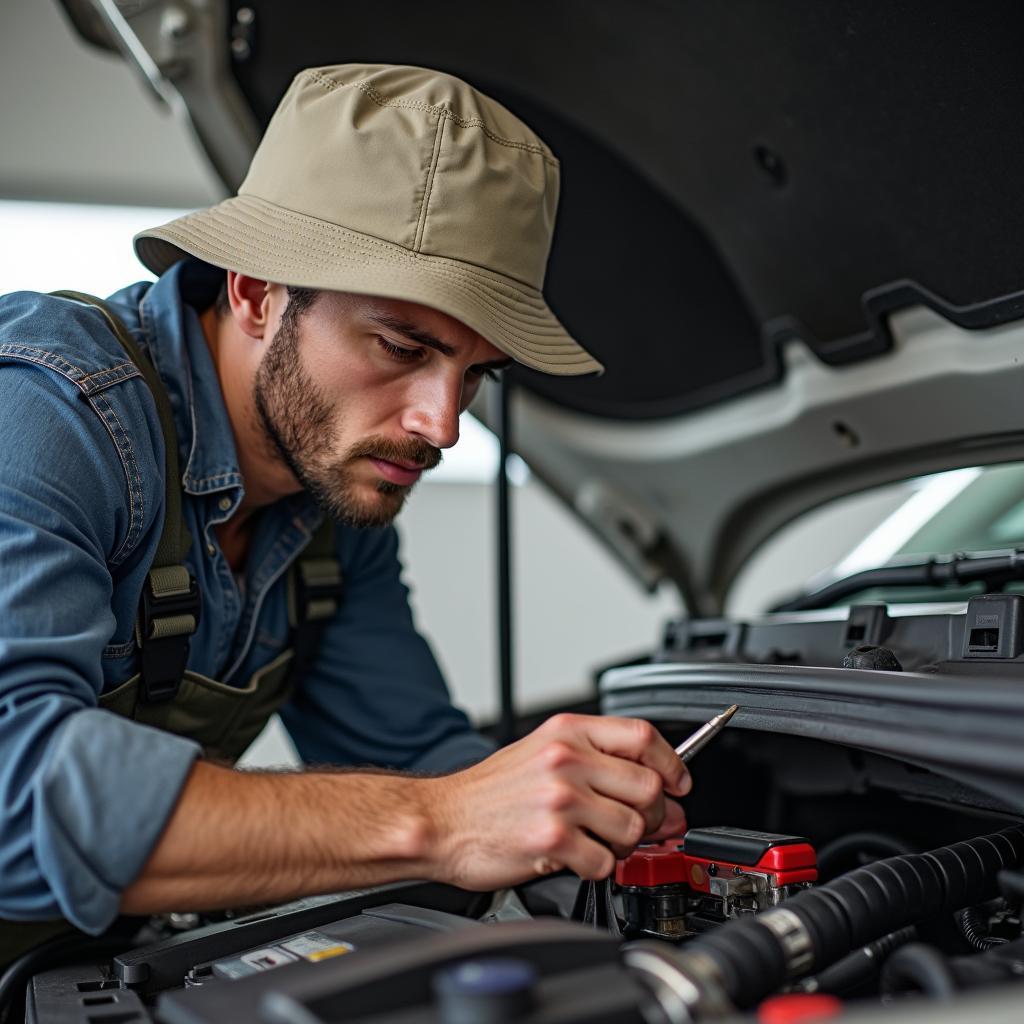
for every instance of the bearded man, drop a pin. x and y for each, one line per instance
(195, 504)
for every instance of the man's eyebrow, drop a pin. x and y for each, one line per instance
(413, 333)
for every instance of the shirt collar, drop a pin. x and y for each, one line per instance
(178, 349)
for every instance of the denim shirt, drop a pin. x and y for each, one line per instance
(85, 794)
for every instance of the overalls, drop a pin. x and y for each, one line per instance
(223, 719)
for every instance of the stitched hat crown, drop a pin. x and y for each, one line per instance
(416, 158)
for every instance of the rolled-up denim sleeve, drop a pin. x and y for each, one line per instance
(84, 795)
(376, 694)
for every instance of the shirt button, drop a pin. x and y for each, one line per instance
(211, 550)
(225, 504)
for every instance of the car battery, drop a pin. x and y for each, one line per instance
(684, 885)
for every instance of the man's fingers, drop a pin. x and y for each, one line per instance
(619, 826)
(595, 861)
(637, 740)
(584, 855)
(685, 780)
(629, 783)
(673, 824)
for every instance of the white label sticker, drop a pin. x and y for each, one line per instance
(316, 946)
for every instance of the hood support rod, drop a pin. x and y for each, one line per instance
(507, 719)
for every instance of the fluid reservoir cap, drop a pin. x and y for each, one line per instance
(799, 1006)
(486, 991)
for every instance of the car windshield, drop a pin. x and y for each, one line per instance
(986, 512)
(966, 510)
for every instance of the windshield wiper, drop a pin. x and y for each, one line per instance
(993, 569)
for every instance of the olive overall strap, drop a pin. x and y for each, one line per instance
(169, 609)
(314, 593)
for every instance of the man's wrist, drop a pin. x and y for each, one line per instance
(430, 826)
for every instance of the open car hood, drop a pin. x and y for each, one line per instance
(790, 232)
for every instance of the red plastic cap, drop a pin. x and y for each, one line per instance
(799, 1006)
(794, 857)
(658, 864)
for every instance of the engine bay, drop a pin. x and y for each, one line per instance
(817, 878)
(852, 888)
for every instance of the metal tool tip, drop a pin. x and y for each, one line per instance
(728, 713)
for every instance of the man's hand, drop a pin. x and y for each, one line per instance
(577, 793)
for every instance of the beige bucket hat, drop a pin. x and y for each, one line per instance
(399, 182)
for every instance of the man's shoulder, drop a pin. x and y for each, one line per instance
(68, 337)
(83, 417)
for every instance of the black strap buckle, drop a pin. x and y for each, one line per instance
(168, 616)
(318, 590)
(314, 595)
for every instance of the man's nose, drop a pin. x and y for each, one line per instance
(433, 412)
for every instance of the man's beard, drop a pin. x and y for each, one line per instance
(299, 423)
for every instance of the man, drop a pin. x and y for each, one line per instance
(226, 443)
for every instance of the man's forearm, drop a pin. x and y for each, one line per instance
(256, 837)
(575, 793)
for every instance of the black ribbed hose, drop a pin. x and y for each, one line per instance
(973, 929)
(752, 957)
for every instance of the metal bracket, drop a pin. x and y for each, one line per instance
(180, 49)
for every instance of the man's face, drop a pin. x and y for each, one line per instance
(358, 395)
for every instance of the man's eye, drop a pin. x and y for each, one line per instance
(399, 352)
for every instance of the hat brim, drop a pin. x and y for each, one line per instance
(254, 237)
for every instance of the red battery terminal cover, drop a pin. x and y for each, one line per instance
(656, 864)
(703, 853)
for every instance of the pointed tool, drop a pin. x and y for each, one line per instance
(696, 742)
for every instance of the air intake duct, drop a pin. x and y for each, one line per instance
(752, 957)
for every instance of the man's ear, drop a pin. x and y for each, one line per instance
(249, 301)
